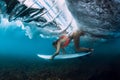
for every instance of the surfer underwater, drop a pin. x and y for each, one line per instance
(64, 41)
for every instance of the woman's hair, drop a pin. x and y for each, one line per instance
(55, 42)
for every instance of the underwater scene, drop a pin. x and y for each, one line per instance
(30, 30)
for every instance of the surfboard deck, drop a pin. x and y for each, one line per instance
(64, 56)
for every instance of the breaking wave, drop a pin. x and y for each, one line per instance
(48, 19)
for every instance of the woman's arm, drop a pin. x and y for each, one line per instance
(58, 47)
(57, 50)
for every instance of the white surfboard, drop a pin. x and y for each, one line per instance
(64, 56)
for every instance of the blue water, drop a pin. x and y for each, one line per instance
(18, 56)
(19, 61)
(13, 40)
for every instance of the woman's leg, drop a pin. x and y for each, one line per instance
(76, 38)
(63, 50)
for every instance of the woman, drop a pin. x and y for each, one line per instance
(64, 40)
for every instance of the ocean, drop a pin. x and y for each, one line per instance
(29, 28)
(19, 60)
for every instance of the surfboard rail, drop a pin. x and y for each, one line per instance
(64, 56)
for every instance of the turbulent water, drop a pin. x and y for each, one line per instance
(100, 18)
(29, 29)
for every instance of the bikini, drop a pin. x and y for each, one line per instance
(67, 41)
